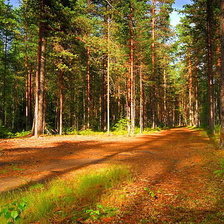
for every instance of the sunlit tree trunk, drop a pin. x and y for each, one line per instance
(153, 25)
(132, 81)
(164, 97)
(190, 93)
(141, 110)
(88, 98)
(108, 75)
(40, 79)
(60, 102)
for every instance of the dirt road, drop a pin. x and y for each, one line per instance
(176, 165)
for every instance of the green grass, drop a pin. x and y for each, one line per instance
(60, 198)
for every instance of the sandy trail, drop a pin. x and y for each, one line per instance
(28, 160)
(171, 162)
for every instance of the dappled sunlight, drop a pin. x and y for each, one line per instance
(58, 158)
(168, 164)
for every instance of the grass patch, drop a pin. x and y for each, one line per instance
(61, 198)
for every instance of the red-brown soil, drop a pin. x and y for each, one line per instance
(177, 165)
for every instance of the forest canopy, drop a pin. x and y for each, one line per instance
(85, 64)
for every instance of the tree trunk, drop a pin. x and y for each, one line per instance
(28, 95)
(88, 99)
(40, 79)
(210, 66)
(4, 82)
(103, 97)
(60, 102)
(222, 77)
(153, 105)
(132, 81)
(164, 98)
(108, 75)
(141, 112)
(190, 95)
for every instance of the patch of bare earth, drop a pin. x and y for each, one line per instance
(173, 172)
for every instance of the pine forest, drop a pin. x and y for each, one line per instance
(76, 65)
(114, 85)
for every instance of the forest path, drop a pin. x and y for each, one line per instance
(175, 181)
(24, 161)
(177, 165)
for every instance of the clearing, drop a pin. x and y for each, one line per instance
(173, 172)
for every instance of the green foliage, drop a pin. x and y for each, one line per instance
(22, 134)
(220, 172)
(5, 133)
(100, 212)
(12, 211)
(90, 132)
(121, 126)
(71, 131)
(151, 130)
(41, 200)
(151, 192)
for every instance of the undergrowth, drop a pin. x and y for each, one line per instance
(112, 132)
(6, 133)
(61, 198)
(120, 128)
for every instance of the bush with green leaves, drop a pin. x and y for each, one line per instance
(5, 133)
(121, 125)
(22, 134)
(12, 211)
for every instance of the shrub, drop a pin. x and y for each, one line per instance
(121, 125)
(5, 133)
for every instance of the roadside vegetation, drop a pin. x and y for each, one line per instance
(120, 128)
(77, 197)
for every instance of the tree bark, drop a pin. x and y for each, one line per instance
(108, 75)
(88, 99)
(104, 95)
(222, 76)
(40, 79)
(4, 81)
(60, 102)
(132, 81)
(164, 98)
(210, 66)
(153, 24)
(141, 110)
(190, 94)
(28, 71)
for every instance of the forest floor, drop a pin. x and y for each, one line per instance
(173, 179)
